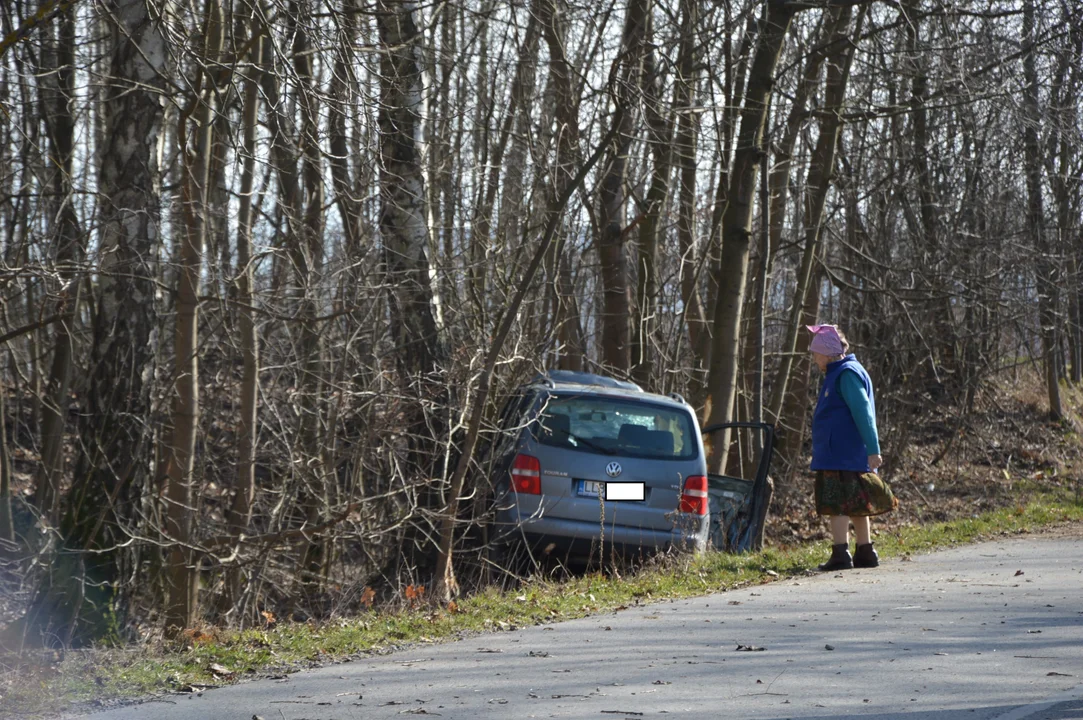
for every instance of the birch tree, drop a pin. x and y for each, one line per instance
(79, 601)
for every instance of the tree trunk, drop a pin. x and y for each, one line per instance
(81, 600)
(939, 296)
(404, 229)
(820, 175)
(779, 176)
(736, 228)
(513, 209)
(240, 513)
(306, 256)
(685, 144)
(403, 215)
(616, 346)
(302, 206)
(180, 453)
(343, 94)
(756, 346)
(552, 15)
(736, 81)
(1046, 270)
(778, 191)
(58, 90)
(793, 418)
(779, 182)
(1066, 184)
(660, 140)
(7, 527)
(482, 245)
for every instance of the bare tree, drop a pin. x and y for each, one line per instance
(660, 141)
(820, 175)
(58, 90)
(180, 452)
(736, 225)
(403, 216)
(616, 341)
(79, 599)
(244, 486)
(1046, 269)
(552, 15)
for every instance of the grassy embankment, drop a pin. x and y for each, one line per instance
(220, 657)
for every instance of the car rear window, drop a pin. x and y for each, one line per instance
(616, 427)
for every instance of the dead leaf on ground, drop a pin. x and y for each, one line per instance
(415, 594)
(750, 648)
(220, 670)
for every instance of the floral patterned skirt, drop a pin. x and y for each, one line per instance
(843, 492)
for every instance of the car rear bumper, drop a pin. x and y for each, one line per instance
(575, 537)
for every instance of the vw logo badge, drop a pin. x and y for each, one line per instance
(612, 469)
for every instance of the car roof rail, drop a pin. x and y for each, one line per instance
(551, 377)
(678, 397)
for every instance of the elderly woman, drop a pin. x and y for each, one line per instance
(846, 451)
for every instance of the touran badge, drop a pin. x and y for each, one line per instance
(612, 469)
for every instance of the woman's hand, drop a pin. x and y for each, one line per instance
(875, 461)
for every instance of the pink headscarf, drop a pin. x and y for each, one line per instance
(825, 340)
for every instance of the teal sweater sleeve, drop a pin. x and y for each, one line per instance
(853, 392)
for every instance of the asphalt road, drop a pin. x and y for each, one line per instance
(989, 631)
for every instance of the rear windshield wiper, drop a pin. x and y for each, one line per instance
(593, 445)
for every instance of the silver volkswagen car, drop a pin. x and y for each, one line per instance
(579, 454)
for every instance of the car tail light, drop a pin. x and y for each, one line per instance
(526, 475)
(694, 496)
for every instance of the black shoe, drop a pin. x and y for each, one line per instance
(840, 558)
(865, 556)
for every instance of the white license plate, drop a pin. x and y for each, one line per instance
(635, 491)
(590, 488)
